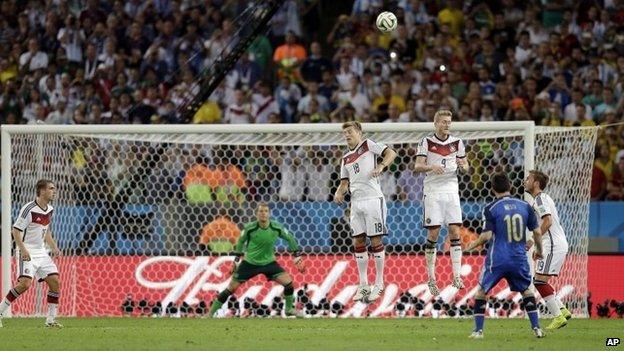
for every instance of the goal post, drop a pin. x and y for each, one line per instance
(144, 166)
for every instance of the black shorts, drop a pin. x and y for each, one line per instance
(247, 271)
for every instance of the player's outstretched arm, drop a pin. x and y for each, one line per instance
(340, 192)
(482, 239)
(49, 239)
(388, 158)
(294, 248)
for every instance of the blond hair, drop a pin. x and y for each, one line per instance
(354, 124)
(442, 113)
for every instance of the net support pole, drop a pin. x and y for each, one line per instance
(5, 140)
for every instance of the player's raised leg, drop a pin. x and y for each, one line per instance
(54, 291)
(23, 283)
(361, 258)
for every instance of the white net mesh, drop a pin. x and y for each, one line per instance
(151, 218)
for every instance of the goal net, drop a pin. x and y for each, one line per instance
(147, 216)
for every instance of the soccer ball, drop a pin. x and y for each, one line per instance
(386, 22)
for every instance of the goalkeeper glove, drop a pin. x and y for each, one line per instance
(237, 261)
(298, 260)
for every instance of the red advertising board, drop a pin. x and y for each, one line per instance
(93, 286)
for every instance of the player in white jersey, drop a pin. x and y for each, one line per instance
(31, 232)
(359, 174)
(555, 247)
(441, 156)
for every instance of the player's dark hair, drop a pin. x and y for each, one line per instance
(42, 184)
(541, 178)
(354, 124)
(500, 183)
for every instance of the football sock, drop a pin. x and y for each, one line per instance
(53, 300)
(380, 256)
(6, 302)
(221, 299)
(430, 255)
(548, 294)
(479, 314)
(361, 257)
(456, 256)
(531, 309)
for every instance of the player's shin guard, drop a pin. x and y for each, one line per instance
(456, 257)
(361, 257)
(430, 255)
(289, 297)
(6, 302)
(548, 294)
(53, 300)
(220, 300)
(479, 313)
(379, 253)
(531, 309)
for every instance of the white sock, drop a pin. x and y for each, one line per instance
(362, 263)
(4, 306)
(559, 303)
(52, 308)
(380, 258)
(456, 256)
(430, 255)
(551, 302)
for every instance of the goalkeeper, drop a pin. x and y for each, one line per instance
(257, 244)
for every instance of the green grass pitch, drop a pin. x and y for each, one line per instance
(301, 334)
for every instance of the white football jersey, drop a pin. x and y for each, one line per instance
(554, 239)
(442, 153)
(357, 166)
(34, 223)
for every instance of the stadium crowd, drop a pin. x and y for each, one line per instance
(559, 63)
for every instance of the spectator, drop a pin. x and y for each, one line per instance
(33, 59)
(304, 103)
(287, 95)
(263, 103)
(289, 56)
(604, 161)
(385, 99)
(315, 64)
(238, 112)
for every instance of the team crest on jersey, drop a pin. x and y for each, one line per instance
(452, 148)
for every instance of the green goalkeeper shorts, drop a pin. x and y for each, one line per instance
(247, 271)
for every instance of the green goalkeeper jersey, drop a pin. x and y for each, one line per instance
(258, 244)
